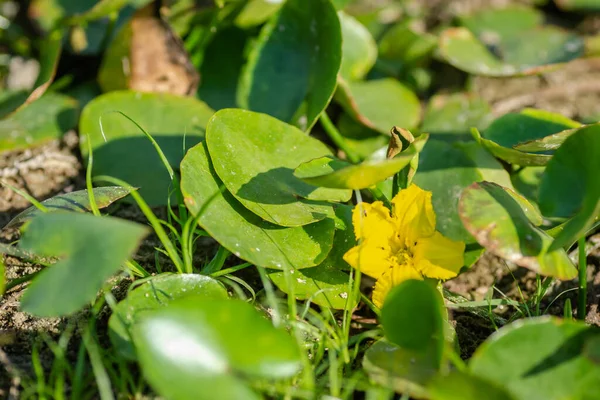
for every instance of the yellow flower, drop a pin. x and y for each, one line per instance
(404, 245)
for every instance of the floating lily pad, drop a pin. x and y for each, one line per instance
(36, 123)
(540, 359)
(93, 248)
(544, 49)
(402, 370)
(176, 123)
(446, 169)
(450, 117)
(255, 156)
(326, 284)
(153, 294)
(198, 348)
(380, 104)
(359, 50)
(570, 186)
(244, 233)
(77, 201)
(292, 68)
(345, 176)
(499, 222)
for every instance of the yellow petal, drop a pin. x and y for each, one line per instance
(438, 257)
(374, 223)
(370, 258)
(414, 214)
(391, 278)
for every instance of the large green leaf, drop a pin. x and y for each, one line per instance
(155, 293)
(446, 169)
(450, 117)
(92, 248)
(403, 370)
(497, 218)
(380, 104)
(494, 24)
(326, 284)
(541, 359)
(123, 151)
(359, 50)
(77, 201)
(38, 122)
(544, 49)
(460, 385)
(198, 348)
(255, 156)
(242, 232)
(570, 184)
(292, 69)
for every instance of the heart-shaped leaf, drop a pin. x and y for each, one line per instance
(77, 201)
(326, 284)
(242, 232)
(153, 294)
(446, 169)
(540, 359)
(93, 248)
(255, 156)
(450, 117)
(123, 151)
(544, 49)
(570, 185)
(403, 370)
(359, 50)
(499, 222)
(38, 122)
(198, 348)
(380, 104)
(292, 68)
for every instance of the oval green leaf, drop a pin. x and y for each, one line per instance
(292, 68)
(199, 348)
(499, 222)
(359, 50)
(255, 156)
(77, 201)
(176, 123)
(242, 232)
(92, 249)
(155, 293)
(540, 359)
(380, 104)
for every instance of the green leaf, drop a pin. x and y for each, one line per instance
(511, 156)
(494, 24)
(221, 68)
(540, 359)
(544, 49)
(463, 386)
(380, 104)
(77, 201)
(361, 176)
(450, 117)
(176, 123)
(326, 284)
(2, 277)
(93, 248)
(359, 50)
(199, 348)
(292, 69)
(494, 216)
(242, 232)
(256, 12)
(156, 293)
(578, 5)
(403, 370)
(38, 122)
(412, 317)
(570, 185)
(255, 156)
(446, 169)
(527, 182)
(404, 46)
(362, 141)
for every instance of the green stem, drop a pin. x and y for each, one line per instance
(582, 295)
(337, 137)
